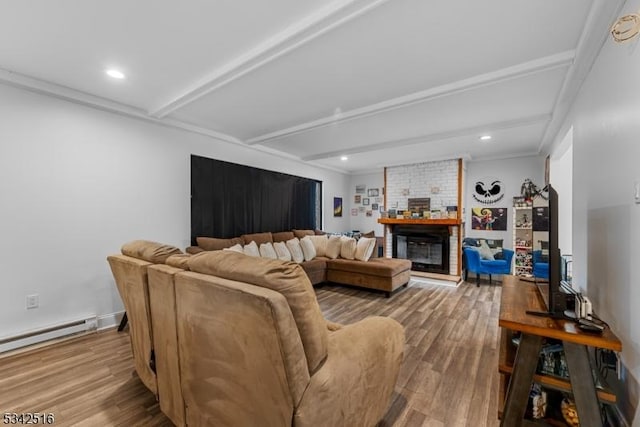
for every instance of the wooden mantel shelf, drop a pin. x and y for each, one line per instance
(423, 221)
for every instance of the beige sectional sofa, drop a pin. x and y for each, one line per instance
(225, 339)
(383, 274)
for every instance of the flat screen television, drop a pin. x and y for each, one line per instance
(555, 293)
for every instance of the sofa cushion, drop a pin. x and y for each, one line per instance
(282, 251)
(259, 238)
(215, 244)
(301, 233)
(364, 248)
(383, 267)
(267, 251)
(296, 251)
(347, 247)
(333, 247)
(251, 249)
(319, 243)
(282, 236)
(149, 251)
(308, 250)
(285, 277)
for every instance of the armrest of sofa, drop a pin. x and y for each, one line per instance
(355, 384)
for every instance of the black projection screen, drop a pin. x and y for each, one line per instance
(228, 200)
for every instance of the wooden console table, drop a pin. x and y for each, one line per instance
(520, 371)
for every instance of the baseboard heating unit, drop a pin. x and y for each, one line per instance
(38, 336)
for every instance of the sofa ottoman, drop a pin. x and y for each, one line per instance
(384, 274)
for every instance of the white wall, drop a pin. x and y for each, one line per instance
(76, 183)
(606, 219)
(361, 221)
(512, 173)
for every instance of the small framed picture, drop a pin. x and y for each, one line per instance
(365, 201)
(357, 198)
(374, 206)
(373, 192)
(337, 206)
(360, 188)
(369, 213)
(354, 212)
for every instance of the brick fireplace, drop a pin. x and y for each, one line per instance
(433, 245)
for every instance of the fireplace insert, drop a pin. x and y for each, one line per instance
(427, 247)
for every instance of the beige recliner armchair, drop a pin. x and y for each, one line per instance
(254, 349)
(241, 341)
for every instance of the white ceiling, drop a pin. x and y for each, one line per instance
(385, 82)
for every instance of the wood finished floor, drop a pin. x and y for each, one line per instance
(449, 376)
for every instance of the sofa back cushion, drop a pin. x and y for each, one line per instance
(259, 238)
(301, 233)
(149, 251)
(282, 236)
(285, 277)
(242, 362)
(215, 244)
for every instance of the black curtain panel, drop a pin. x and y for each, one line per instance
(228, 200)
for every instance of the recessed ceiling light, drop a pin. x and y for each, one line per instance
(116, 74)
(344, 158)
(485, 137)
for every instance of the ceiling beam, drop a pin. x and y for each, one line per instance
(296, 35)
(563, 59)
(594, 34)
(473, 130)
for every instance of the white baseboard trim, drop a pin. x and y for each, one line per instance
(111, 320)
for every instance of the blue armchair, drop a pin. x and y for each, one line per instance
(540, 265)
(484, 266)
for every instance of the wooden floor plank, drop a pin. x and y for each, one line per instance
(449, 376)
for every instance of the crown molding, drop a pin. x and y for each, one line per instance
(296, 35)
(594, 34)
(559, 60)
(473, 130)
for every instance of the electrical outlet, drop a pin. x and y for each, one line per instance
(32, 301)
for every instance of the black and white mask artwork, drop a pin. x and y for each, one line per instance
(488, 190)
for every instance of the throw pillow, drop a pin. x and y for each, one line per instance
(319, 243)
(251, 249)
(485, 251)
(364, 248)
(296, 251)
(235, 248)
(347, 247)
(282, 251)
(333, 247)
(308, 250)
(267, 251)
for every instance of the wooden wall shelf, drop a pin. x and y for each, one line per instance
(421, 221)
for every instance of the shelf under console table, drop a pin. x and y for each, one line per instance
(519, 372)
